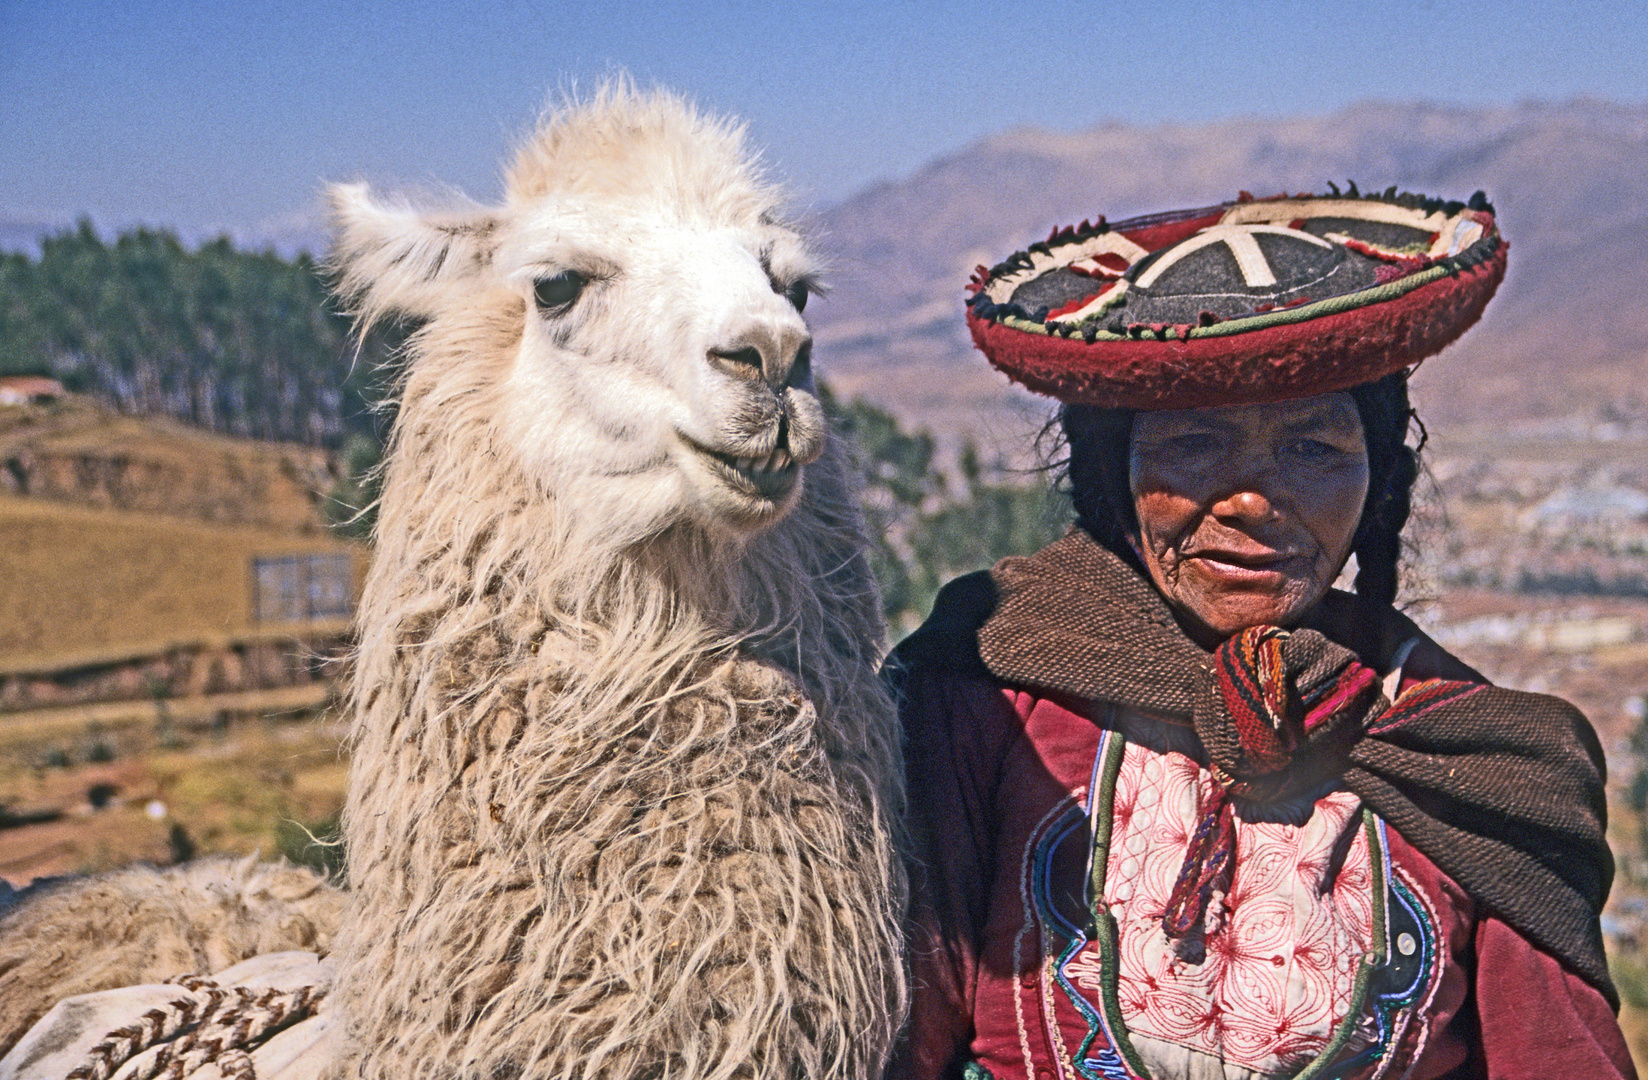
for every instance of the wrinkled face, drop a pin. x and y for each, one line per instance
(1247, 513)
(664, 360)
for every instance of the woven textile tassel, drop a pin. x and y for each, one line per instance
(1212, 846)
(1282, 711)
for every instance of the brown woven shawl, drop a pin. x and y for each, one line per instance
(1502, 789)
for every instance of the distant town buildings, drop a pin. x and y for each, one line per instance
(28, 390)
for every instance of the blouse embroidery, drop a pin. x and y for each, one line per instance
(1304, 975)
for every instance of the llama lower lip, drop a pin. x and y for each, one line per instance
(771, 485)
(751, 476)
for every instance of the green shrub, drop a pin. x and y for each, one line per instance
(1630, 974)
(318, 845)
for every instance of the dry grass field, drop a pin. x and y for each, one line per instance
(98, 794)
(74, 450)
(89, 585)
(121, 539)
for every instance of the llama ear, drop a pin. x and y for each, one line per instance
(392, 258)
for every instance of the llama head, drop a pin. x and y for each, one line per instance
(628, 321)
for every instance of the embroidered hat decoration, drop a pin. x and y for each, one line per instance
(1255, 300)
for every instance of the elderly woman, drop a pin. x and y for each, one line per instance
(1180, 808)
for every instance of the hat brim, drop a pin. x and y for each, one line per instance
(1291, 352)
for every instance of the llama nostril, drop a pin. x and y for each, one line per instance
(801, 370)
(742, 363)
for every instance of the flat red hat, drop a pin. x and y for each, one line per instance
(1255, 300)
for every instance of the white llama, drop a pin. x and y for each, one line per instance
(623, 777)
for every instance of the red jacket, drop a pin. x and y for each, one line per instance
(1333, 939)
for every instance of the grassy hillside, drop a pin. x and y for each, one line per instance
(77, 451)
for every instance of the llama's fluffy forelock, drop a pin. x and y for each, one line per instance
(624, 778)
(654, 150)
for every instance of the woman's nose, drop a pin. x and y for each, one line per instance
(1247, 503)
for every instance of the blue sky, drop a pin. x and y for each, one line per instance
(207, 116)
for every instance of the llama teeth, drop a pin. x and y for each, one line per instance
(773, 462)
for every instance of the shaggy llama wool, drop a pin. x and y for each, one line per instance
(624, 779)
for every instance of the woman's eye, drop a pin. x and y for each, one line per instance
(555, 294)
(1312, 448)
(1193, 442)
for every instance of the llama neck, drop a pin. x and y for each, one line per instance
(571, 758)
(559, 801)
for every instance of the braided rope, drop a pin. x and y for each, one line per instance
(156, 1025)
(252, 1017)
(222, 1021)
(236, 1064)
(1212, 849)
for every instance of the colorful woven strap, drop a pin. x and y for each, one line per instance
(1282, 709)
(1251, 677)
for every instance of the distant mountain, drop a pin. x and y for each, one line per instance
(1566, 336)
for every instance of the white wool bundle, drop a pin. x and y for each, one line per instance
(67, 936)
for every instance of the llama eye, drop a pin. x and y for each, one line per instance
(557, 293)
(797, 294)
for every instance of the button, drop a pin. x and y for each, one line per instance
(1405, 944)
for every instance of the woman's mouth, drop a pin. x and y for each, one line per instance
(1254, 566)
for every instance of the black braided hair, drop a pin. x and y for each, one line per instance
(1393, 466)
(1098, 443)
(1095, 474)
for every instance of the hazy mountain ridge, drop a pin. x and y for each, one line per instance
(1564, 339)
(1567, 179)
